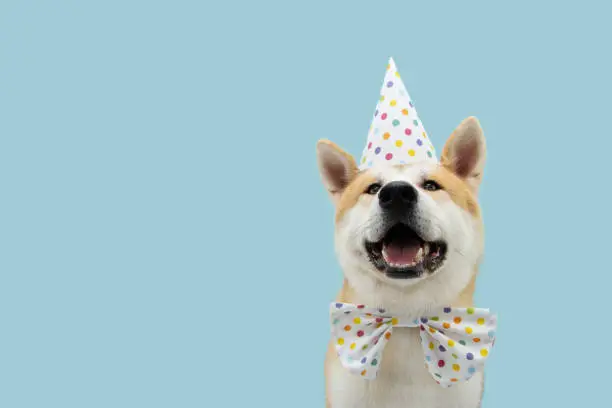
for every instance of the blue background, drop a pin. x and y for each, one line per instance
(166, 241)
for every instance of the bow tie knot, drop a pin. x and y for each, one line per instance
(455, 341)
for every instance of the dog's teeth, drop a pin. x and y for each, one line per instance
(419, 256)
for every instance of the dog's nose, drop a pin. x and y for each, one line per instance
(397, 196)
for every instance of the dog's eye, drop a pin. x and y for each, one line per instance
(373, 188)
(431, 185)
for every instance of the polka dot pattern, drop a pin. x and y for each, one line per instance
(456, 341)
(397, 120)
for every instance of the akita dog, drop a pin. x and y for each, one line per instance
(409, 238)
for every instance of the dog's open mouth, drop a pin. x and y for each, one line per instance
(403, 254)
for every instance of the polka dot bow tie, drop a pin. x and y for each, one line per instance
(455, 341)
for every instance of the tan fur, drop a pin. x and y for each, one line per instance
(352, 193)
(336, 187)
(467, 136)
(454, 188)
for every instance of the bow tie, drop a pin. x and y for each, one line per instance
(455, 341)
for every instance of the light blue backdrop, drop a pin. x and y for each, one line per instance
(165, 240)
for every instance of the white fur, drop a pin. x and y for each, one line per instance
(404, 381)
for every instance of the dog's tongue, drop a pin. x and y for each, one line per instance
(401, 253)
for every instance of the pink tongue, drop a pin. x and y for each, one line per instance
(399, 254)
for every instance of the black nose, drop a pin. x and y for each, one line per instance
(397, 196)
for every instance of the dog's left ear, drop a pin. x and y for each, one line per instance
(337, 168)
(465, 151)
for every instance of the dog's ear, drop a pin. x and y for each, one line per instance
(337, 168)
(465, 151)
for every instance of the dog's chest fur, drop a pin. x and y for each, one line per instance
(403, 381)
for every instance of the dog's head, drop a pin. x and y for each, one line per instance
(409, 233)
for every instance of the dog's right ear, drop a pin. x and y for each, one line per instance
(337, 168)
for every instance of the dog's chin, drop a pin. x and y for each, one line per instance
(402, 255)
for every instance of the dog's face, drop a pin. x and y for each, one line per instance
(409, 229)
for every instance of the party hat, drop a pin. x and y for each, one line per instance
(396, 135)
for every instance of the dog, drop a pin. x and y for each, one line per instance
(409, 237)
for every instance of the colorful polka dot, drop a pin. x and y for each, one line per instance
(450, 357)
(393, 96)
(387, 135)
(411, 152)
(389, 156)
(378, 149)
